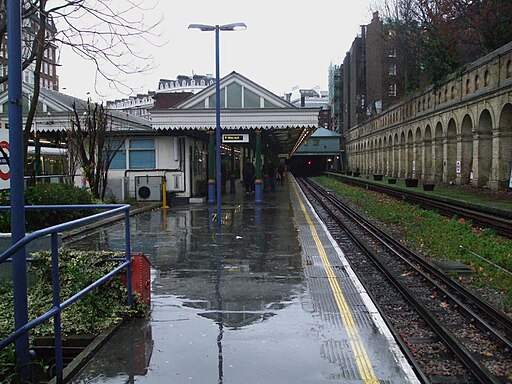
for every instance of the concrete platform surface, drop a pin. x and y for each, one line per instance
(249, 303)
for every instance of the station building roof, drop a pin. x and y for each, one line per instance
(55, 110)
(245, 106)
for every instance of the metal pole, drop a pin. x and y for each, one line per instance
(19, 264)
(57, 325)
(217, 127)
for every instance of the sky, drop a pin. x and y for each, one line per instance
(287, 44)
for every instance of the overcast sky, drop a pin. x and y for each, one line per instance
(287, 43)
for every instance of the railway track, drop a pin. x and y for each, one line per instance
(500, 221)
(448, 333)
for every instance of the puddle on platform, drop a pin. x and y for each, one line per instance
(222, 301)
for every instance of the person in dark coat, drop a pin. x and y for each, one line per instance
(271, 168)
(280, 173)
(248, 174)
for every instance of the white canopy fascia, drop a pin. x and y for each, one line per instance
(194, 119)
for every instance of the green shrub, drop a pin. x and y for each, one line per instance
(48, 194)
(98, 310)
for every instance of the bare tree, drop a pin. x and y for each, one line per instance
(109, 33)
(105, 32)
(452, 33)
(94, 143)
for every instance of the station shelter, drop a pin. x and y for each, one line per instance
(255, 123)
(49, 136)
(174, 151)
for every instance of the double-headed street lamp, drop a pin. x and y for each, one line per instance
(217, 29)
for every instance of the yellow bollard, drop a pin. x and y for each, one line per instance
(164, 195)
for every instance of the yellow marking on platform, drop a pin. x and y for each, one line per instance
(360, 355)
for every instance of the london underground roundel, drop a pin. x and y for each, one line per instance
(5, 173)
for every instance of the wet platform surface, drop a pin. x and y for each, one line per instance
(246, 304)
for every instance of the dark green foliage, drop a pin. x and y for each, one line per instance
(100, 309)
(48, 194)
(437, 61)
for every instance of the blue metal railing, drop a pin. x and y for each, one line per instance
(58, 306)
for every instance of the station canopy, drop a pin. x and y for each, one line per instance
(55, 112)
(245, 106)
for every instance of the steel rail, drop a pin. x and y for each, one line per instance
(395, 246)
(473, 364)
(500, 221)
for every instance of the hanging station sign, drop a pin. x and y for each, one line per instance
(230, 138)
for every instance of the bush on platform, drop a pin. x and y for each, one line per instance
(97, 311)
(48, 194)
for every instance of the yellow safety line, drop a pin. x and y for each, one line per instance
(360, 355)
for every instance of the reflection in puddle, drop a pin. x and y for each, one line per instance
(242, 274)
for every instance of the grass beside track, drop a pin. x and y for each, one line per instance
(441, 238)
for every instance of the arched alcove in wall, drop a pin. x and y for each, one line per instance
(418, 153)
(428, 167)
(466, 155)
(485, 150)
(409, 154)
(377, 165)
(450, 167)
(384, 166)
(402, 162)
(438, 153)
(505, 145)
(396, 156)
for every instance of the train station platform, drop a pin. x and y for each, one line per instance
(266, 298)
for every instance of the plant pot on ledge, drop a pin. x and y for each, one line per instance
(377, 177)
(391, 180)
(411, 182)
(428, 187)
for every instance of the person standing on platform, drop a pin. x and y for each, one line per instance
(249, 174)
(280, 173)
(272, 175)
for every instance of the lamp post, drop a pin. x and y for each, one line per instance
(217, 29)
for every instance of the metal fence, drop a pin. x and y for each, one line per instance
(58, 306)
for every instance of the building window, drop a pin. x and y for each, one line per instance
(468, 85)
(392, 70)
(234, 95)
(392, 52)
(392, 89)
(142, 154)
(477, 83)
(509, 69)
(316, 142)
(251, 99)
(486, 78)
(119, 159)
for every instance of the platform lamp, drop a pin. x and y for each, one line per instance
(217, 29)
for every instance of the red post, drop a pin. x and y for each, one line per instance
(141, 277)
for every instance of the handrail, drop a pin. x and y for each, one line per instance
(115, 208)
(58, 306)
